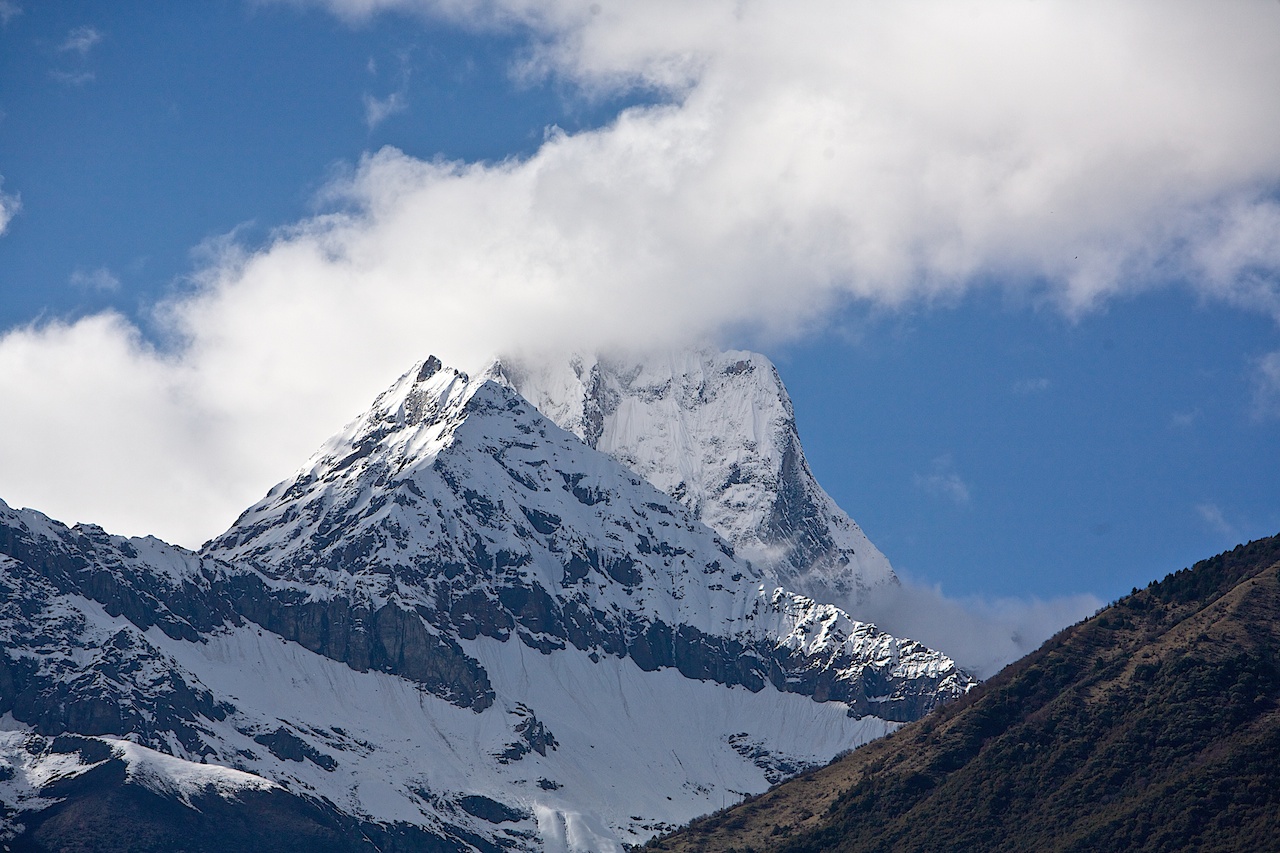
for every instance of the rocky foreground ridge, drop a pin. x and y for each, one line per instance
(457, 627)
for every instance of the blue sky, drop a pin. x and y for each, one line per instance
(212, 258)
(177, 124)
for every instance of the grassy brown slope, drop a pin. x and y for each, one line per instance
(1152, 726)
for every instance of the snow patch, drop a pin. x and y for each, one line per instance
(176, 777)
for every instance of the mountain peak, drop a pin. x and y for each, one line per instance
(414, 419)
(429, 368)
(458, 621)
(717, 432)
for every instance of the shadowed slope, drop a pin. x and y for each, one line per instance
(1152, 726)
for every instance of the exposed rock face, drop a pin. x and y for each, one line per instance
(111, 796)
(68, 665)
(388, 638)
(716, 431)
(459, 626)
(150, 583)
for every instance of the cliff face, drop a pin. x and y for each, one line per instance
(716, 431)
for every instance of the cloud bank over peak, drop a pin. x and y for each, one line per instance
(1088, 147)
(837, 150)
(803, 155)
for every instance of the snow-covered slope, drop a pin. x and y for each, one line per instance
(458, 626)
(30, 763)
(456, 499)
(716, 431)
(37, 773)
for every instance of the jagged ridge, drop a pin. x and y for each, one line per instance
(458, 500)
(716, 431)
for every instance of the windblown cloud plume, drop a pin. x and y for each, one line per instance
(803, 154)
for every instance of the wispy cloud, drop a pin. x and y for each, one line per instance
(75, 48)
(101, 280)
(377, 110)
(8, 11)
(80, 40)
(1211, 514)
(10, 204)
(943, 481)
(72, 78)
(1266, 387)
(1238, 258)
(1031, 386)
(981, 635)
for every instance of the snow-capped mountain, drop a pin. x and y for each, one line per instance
(458, 626)
(716, 431)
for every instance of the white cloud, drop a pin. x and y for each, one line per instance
(1211, 514)
(80, 40)
(10, 205)
(979, 634)
(377, 110)
(72, 449)
(1240, 256)
(1266, 387)
(8, 11)
(943, 481)
(1031, 386)
(72, 78)
(101, 280)
(812, 152)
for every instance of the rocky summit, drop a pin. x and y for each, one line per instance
(459, 626)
